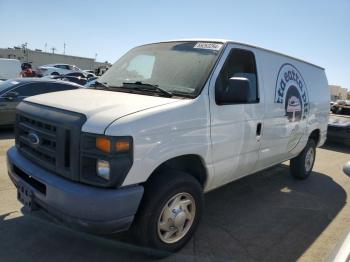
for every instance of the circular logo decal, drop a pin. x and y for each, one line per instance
(291, 93)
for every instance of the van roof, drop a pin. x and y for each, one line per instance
(226, 41)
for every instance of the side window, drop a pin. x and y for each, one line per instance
(31, 89)
(239, 63)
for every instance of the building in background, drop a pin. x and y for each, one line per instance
(39, 58)
(338, 92)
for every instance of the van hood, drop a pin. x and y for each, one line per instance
(101, 108)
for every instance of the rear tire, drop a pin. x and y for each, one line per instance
(169, 213)
(55, 74)
(301, 166)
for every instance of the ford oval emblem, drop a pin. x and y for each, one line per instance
(34, 139)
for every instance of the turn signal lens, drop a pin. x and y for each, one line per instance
(122, 146)
(104, 144)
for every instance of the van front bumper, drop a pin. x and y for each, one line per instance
(92, 209)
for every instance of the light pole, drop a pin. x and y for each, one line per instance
(25, 50)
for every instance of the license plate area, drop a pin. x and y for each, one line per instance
(25, 196)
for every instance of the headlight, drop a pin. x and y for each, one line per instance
(103, 169)
(105, 160)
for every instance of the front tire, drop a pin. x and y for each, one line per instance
(301, 166)
(169, 212)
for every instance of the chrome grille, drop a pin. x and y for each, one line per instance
(46, 149)
(50, 138)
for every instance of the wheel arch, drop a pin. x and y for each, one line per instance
(190, 163)
(315, 135)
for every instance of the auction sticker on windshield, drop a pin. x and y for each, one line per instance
(210, 46)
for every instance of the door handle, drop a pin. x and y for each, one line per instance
(258, 129)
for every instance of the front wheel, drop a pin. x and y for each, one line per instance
(170, 211)
(301, 166)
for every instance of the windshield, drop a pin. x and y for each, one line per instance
(177, 67)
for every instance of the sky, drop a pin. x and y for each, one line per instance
(315, 31)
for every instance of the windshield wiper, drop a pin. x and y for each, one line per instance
(139, 85)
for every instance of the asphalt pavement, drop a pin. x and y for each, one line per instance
(268, 216)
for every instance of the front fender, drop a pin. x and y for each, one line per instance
(163, 133)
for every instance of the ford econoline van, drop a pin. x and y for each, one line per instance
(166, 123)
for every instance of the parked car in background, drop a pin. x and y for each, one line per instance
(91, 82)
(9, 68)
(81, 74)
(15, 90)
(75, 79)
(90, 73)
(339, 106)
(339, 127)
(58, 69)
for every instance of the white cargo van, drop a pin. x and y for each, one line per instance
(166, 123)
(9, 68)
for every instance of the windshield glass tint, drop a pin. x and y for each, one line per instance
(175, 66)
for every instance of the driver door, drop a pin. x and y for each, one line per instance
(236, 128)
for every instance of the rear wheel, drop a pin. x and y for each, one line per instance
(55, 74)
(170, 211)
(301, 166)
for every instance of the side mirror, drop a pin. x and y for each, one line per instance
(10, 95)
(237, 91)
